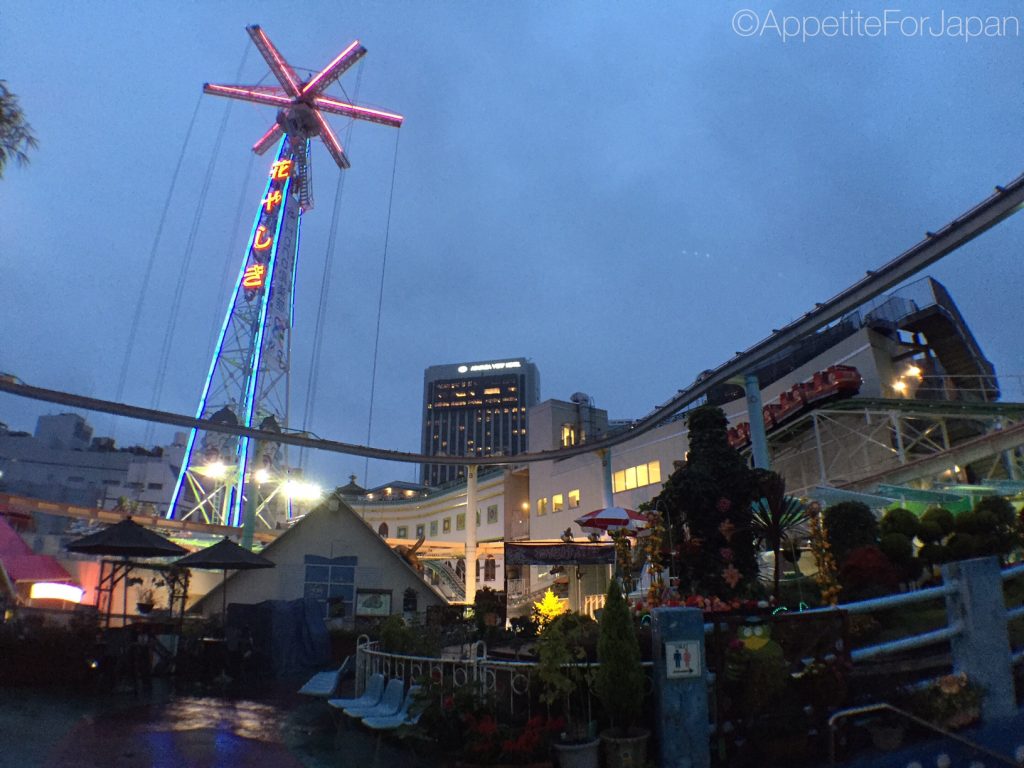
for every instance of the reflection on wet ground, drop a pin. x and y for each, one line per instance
(169, 731)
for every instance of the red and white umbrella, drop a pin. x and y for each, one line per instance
(612, 519)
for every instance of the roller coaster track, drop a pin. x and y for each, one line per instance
(1004, 202)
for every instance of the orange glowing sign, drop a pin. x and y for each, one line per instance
(253, 277)
(262, 241)
(272, 200)
(281, 169)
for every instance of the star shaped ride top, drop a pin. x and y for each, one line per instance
(300, 104)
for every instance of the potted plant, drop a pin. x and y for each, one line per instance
(951, 701)
(145, 600)
(563, 670)
(620, 683)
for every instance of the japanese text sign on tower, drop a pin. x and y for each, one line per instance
(682, 658)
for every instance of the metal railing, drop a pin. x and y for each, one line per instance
(1016, 655)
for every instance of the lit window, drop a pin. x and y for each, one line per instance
(574, 499)
(568, 435)
(492, 391)
(402, 532)
(542, 507)
(446, 527)
(460, 521)
(433, 527)
(636, 477)
(419, 531)
(557, 503)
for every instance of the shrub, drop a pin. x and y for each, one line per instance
(937, 518)
(868, 573)
(962, 546)
(850, 525)
(989, 529)
(620, 679)
(899, 520)
(898, 547)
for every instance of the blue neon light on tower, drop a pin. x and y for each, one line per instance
(223, 475)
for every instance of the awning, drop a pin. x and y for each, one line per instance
(838, 495)
(20, 563)
(916, 494)
(33, 568)
(559, 553)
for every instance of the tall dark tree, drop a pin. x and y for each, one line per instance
(16, 136)
(707, 505)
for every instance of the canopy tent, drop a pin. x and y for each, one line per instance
(19, 564)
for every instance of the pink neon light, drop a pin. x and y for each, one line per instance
(327, 134)
(267, 140)
(352, 109)
(282, 65)
(248, 94)
(331, 141)
(312, 84)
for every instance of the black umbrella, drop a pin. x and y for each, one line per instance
(225, 556)
(126, 539)
(129, 540)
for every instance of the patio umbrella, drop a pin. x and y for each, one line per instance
(129, 540)
(612, 519)
(225, 556)
(126, 539)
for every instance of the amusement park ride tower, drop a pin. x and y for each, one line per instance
(229, 480)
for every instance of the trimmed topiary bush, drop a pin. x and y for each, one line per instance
(850, 525)
(898, 547)
(899, 520)
(937, 518)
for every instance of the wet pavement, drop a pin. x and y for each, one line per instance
(198, 731)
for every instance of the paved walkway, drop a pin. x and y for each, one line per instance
(49, 731)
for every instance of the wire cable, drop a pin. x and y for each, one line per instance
(186, 262)
(380, 305)
(313, 380)
(133, 328)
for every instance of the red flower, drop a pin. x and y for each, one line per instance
(486, 726)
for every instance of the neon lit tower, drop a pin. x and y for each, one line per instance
(227, 480)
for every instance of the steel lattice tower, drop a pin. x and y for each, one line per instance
(229, 480)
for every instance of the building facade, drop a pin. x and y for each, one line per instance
(63, 462)
(476, 409)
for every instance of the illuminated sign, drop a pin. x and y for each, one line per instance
(281, 169)
(254, 276)
(44, 590)
(271, 201)
(489, 366)
(262, 241)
